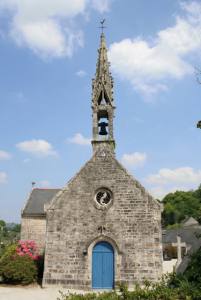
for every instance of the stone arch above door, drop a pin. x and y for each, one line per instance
(105, 238)
(117, 256)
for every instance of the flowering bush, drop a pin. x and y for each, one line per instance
(19, 263)
(17, 269)
(27, 248)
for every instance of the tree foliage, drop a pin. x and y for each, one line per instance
(9, 233)
(193, 271)
(181, 204)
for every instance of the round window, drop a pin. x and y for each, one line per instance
(103, 198)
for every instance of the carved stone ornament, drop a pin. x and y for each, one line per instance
(103, 198)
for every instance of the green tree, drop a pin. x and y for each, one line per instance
(9, 233)
(197, 193)
(180, 204)
(2, 227)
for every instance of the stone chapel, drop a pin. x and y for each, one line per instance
(102, 228)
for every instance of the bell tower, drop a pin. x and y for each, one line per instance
(102, 101)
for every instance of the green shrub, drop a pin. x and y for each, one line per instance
(17, 269)
(150, 291)
(91, 296)
(193, 271)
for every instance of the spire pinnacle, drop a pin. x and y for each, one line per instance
(102, 99)
(103, 81)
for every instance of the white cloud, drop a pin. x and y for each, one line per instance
(184, 175)
(4, 155)
(159, 192)
(37, 147)
(48, 27)
(3, 177)
(79, 139)
(170, 180)
(81, 73)
(135, 159)
(101, 6)
(148, 64)
(46, 38)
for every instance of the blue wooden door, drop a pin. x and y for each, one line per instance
(103, 266)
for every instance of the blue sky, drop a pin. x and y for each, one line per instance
(48, 52)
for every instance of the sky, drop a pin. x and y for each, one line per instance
(48, 53)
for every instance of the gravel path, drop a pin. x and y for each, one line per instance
(29, 293)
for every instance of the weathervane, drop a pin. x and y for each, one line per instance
(197, 74)
(102, 25)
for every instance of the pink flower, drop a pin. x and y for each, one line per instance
(27, 248)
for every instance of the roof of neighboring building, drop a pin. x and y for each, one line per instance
(191, 235)
(36, 201)
(190, 221)
(188, 235)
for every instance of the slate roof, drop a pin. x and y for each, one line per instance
(190, 235)
(36, 201)
(190, 221)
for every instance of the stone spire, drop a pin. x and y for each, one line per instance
(103, 81)
(102, 100)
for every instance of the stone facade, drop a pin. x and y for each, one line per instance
(102, 203)
(131, 225)
(34, 228)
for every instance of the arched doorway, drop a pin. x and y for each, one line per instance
(103, 266)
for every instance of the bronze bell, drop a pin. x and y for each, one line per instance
(103, 126)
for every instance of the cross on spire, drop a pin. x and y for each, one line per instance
(102, 25)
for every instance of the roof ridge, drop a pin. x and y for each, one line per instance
(46, 189)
